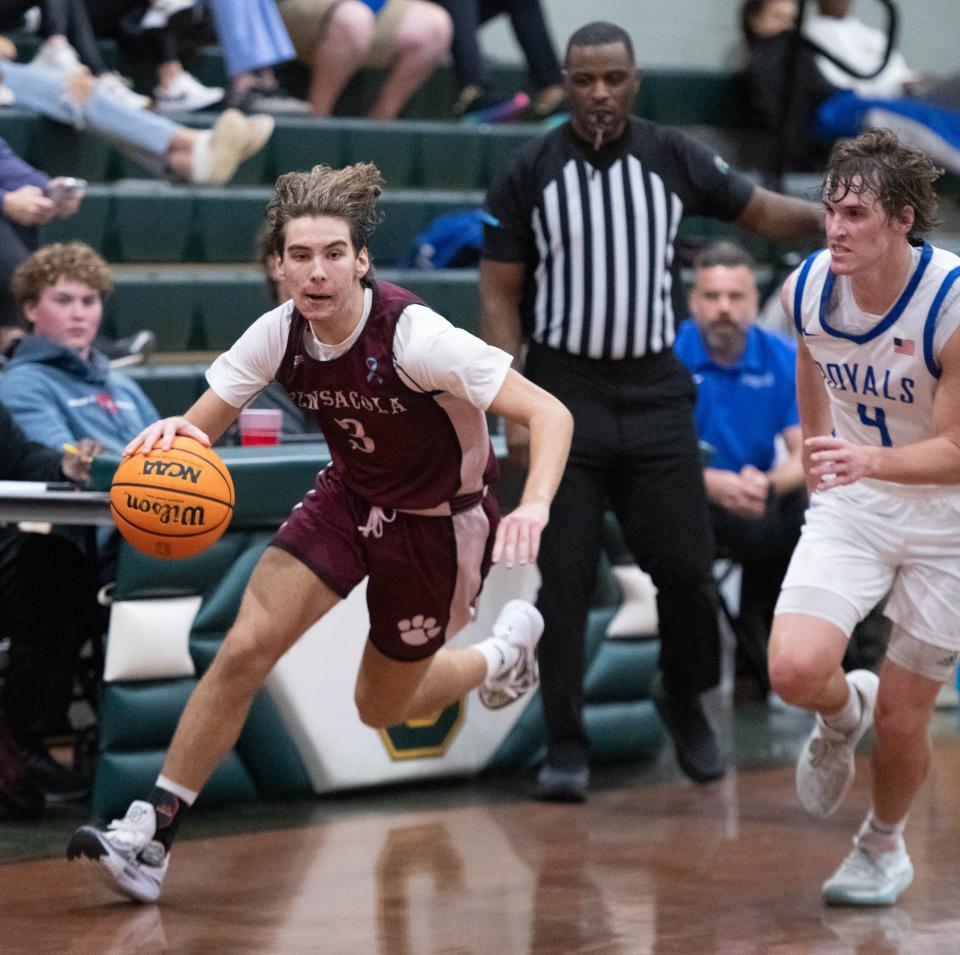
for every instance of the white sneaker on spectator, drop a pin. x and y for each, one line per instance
(184, 94)
(231, 140)
(121, 89)
(259, 130)
(826, 766)
(161, 11)
(869, 875)
(129, 859)
(57, 55)
(519, 625)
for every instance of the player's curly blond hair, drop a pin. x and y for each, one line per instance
(897, 174)
(350, 194)
(50, 263)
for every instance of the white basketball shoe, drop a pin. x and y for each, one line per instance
(130, 861)
(825, 769)
(874, 873)
(519, 625)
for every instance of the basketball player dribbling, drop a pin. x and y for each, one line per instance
(401, 395)
(878, 382)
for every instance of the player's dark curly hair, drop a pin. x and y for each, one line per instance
(350, 194)
(897, 174)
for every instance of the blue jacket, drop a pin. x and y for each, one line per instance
(16, 172)
(58, 398)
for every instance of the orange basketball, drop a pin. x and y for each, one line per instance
(175, 503)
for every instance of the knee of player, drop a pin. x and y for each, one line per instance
(244, 659)
(376, 712)
(794, 677)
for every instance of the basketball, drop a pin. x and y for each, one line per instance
(172, 504)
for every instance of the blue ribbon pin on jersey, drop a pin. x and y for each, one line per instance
(372, 365)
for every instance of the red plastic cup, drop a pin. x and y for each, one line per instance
(260, 426)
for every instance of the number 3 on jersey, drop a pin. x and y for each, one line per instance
(359, 439)
(878, 421)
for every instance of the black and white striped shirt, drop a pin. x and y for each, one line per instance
(596, 231)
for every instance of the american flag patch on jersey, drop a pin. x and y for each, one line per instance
(903, 346)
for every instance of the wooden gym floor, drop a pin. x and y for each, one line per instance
(651, 864)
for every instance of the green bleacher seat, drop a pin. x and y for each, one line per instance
(164, 302)
(451, 292)
(226, 305)
(91, 224)
(227, 222)
(693, 98)
(300, 143)
(454, 156)
(171, 388)
(153, 223)
(64, 151)
(156, 222)
(193, 309)
(396, 152)
(467, 146)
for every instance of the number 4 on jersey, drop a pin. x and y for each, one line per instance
(878, 421)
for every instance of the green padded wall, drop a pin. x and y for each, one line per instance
(137, 718)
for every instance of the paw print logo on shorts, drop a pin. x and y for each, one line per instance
(418, 630)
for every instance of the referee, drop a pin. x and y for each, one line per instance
(578, 268)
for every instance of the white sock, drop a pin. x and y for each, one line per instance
(201, 157)
(879, 836)
(181, 792)
(847, 718)
(500, 655)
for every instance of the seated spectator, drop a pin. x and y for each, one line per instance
(770, 34)
(158, 144)
(530, 28)
(818, 111)
(49, 610)
(156, 40)
(57, 386)
(746, 404)
(337, 37)
(70, 43)
(254, 39)
(834, 28)
(28, 198)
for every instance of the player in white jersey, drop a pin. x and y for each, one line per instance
(878, 384)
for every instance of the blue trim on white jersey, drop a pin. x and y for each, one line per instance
(798, 291)
(930, 325)
(926, 253)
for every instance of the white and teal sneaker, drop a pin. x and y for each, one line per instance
(869, 877)
(130, 861)
(826, 767)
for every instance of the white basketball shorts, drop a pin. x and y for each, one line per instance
(867, 539)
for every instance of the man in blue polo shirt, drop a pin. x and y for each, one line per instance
(746, 401)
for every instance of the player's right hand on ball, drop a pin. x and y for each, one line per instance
(161, 433)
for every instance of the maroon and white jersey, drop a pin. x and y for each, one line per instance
(401, 402)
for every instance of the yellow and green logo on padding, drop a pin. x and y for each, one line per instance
(425, 738)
